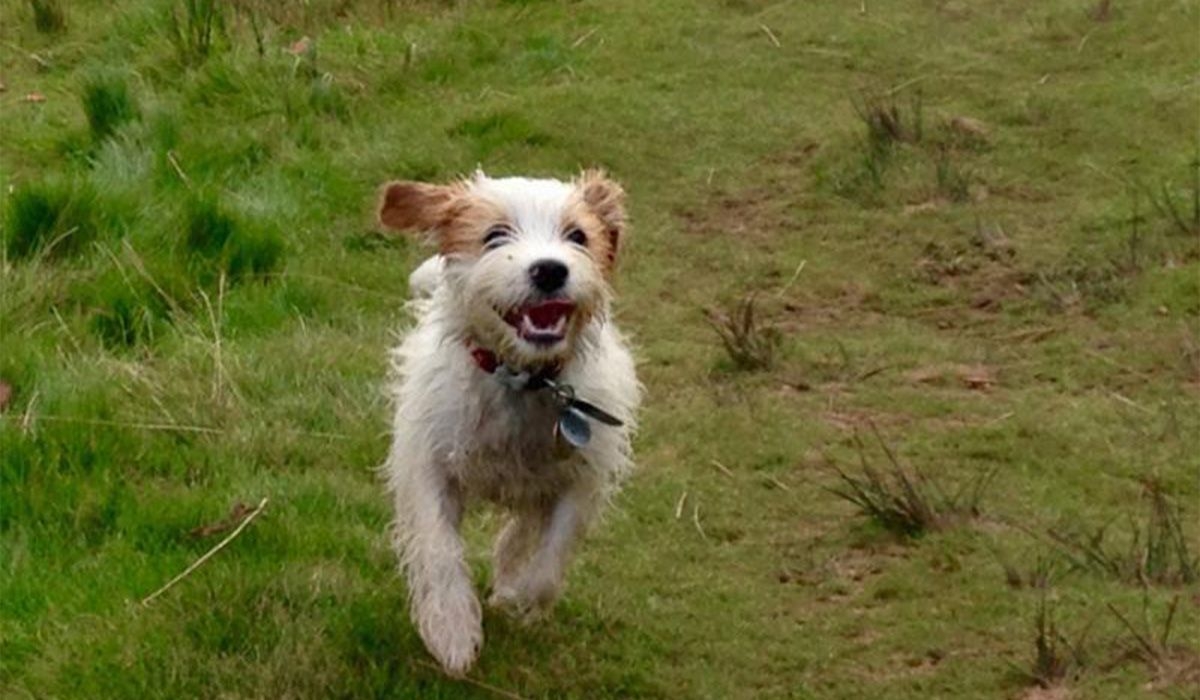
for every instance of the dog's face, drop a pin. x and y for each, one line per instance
(528, 261)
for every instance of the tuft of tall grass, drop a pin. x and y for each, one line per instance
(193, 26)
(750, 344)
(1055, 657)
(107, 103)
(53, 219)
(216, 243)
(126, 311)
(49, 16)
(1184, 219)
(902, 500)
(1145, 644)
(1158, 550)
(953, 182)
(889, 123)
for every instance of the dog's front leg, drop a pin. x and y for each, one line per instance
(539, 581)
(444, 607)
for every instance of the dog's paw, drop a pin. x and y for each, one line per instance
(452, 629)
(528, 599)
(504, 597)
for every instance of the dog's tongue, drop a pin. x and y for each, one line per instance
(547, 314)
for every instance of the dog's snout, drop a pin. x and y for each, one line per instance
(548, 275)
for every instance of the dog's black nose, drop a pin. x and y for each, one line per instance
(548, 275)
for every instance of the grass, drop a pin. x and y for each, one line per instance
(217, 245)
(901, 500)
(195, 25)
(194, 312)
(750, 343)
(50, 219)
(108, 104)
(1056, 658)
(49, 16)
(1158, 552)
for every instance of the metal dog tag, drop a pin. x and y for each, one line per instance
(573, 426)
(595, 411)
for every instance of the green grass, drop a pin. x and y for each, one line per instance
(970, 225)
(107, 103)
(48, 15)
(50, 219)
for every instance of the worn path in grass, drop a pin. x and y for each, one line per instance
(970, 226)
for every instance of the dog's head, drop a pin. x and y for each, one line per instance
(528, 262)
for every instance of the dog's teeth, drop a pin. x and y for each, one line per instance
(529, 328)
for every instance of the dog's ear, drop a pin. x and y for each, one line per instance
(606, 199)
(415, 206)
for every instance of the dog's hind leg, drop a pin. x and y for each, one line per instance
(444, 607)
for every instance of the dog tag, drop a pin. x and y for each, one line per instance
(595, 412)
(573, 426)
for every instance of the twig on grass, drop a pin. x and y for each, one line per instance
(791, 280)
(1130, 402)
(722, 468)
(778, 484)
(579, 42)
(176, 427)
(1083, 42)
(473, 681)
(679, 505)
(696, 521)
(178, 169)
(209, 554)
(770, 35)
(173, 427)
(27, 417)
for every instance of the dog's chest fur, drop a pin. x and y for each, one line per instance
(507, 451)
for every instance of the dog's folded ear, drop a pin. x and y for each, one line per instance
(415, 206)
(606, 199)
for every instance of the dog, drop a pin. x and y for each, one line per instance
(514, 387)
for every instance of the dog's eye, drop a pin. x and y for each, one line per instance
(577, 236)
(496, 237)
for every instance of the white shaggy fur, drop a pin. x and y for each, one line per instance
(460, 435)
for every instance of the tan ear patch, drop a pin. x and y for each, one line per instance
(604, 201)
(413, 206)
(456, 218)
(578, 215)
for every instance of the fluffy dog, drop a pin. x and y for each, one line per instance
(514, 387)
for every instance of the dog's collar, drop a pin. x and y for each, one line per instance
(573, 413)
(490, 363)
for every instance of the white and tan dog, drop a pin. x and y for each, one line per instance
(514, 387)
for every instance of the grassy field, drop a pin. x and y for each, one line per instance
(968, 230)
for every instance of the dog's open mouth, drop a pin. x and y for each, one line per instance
(543, 322)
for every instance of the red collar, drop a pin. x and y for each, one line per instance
(487, 361)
